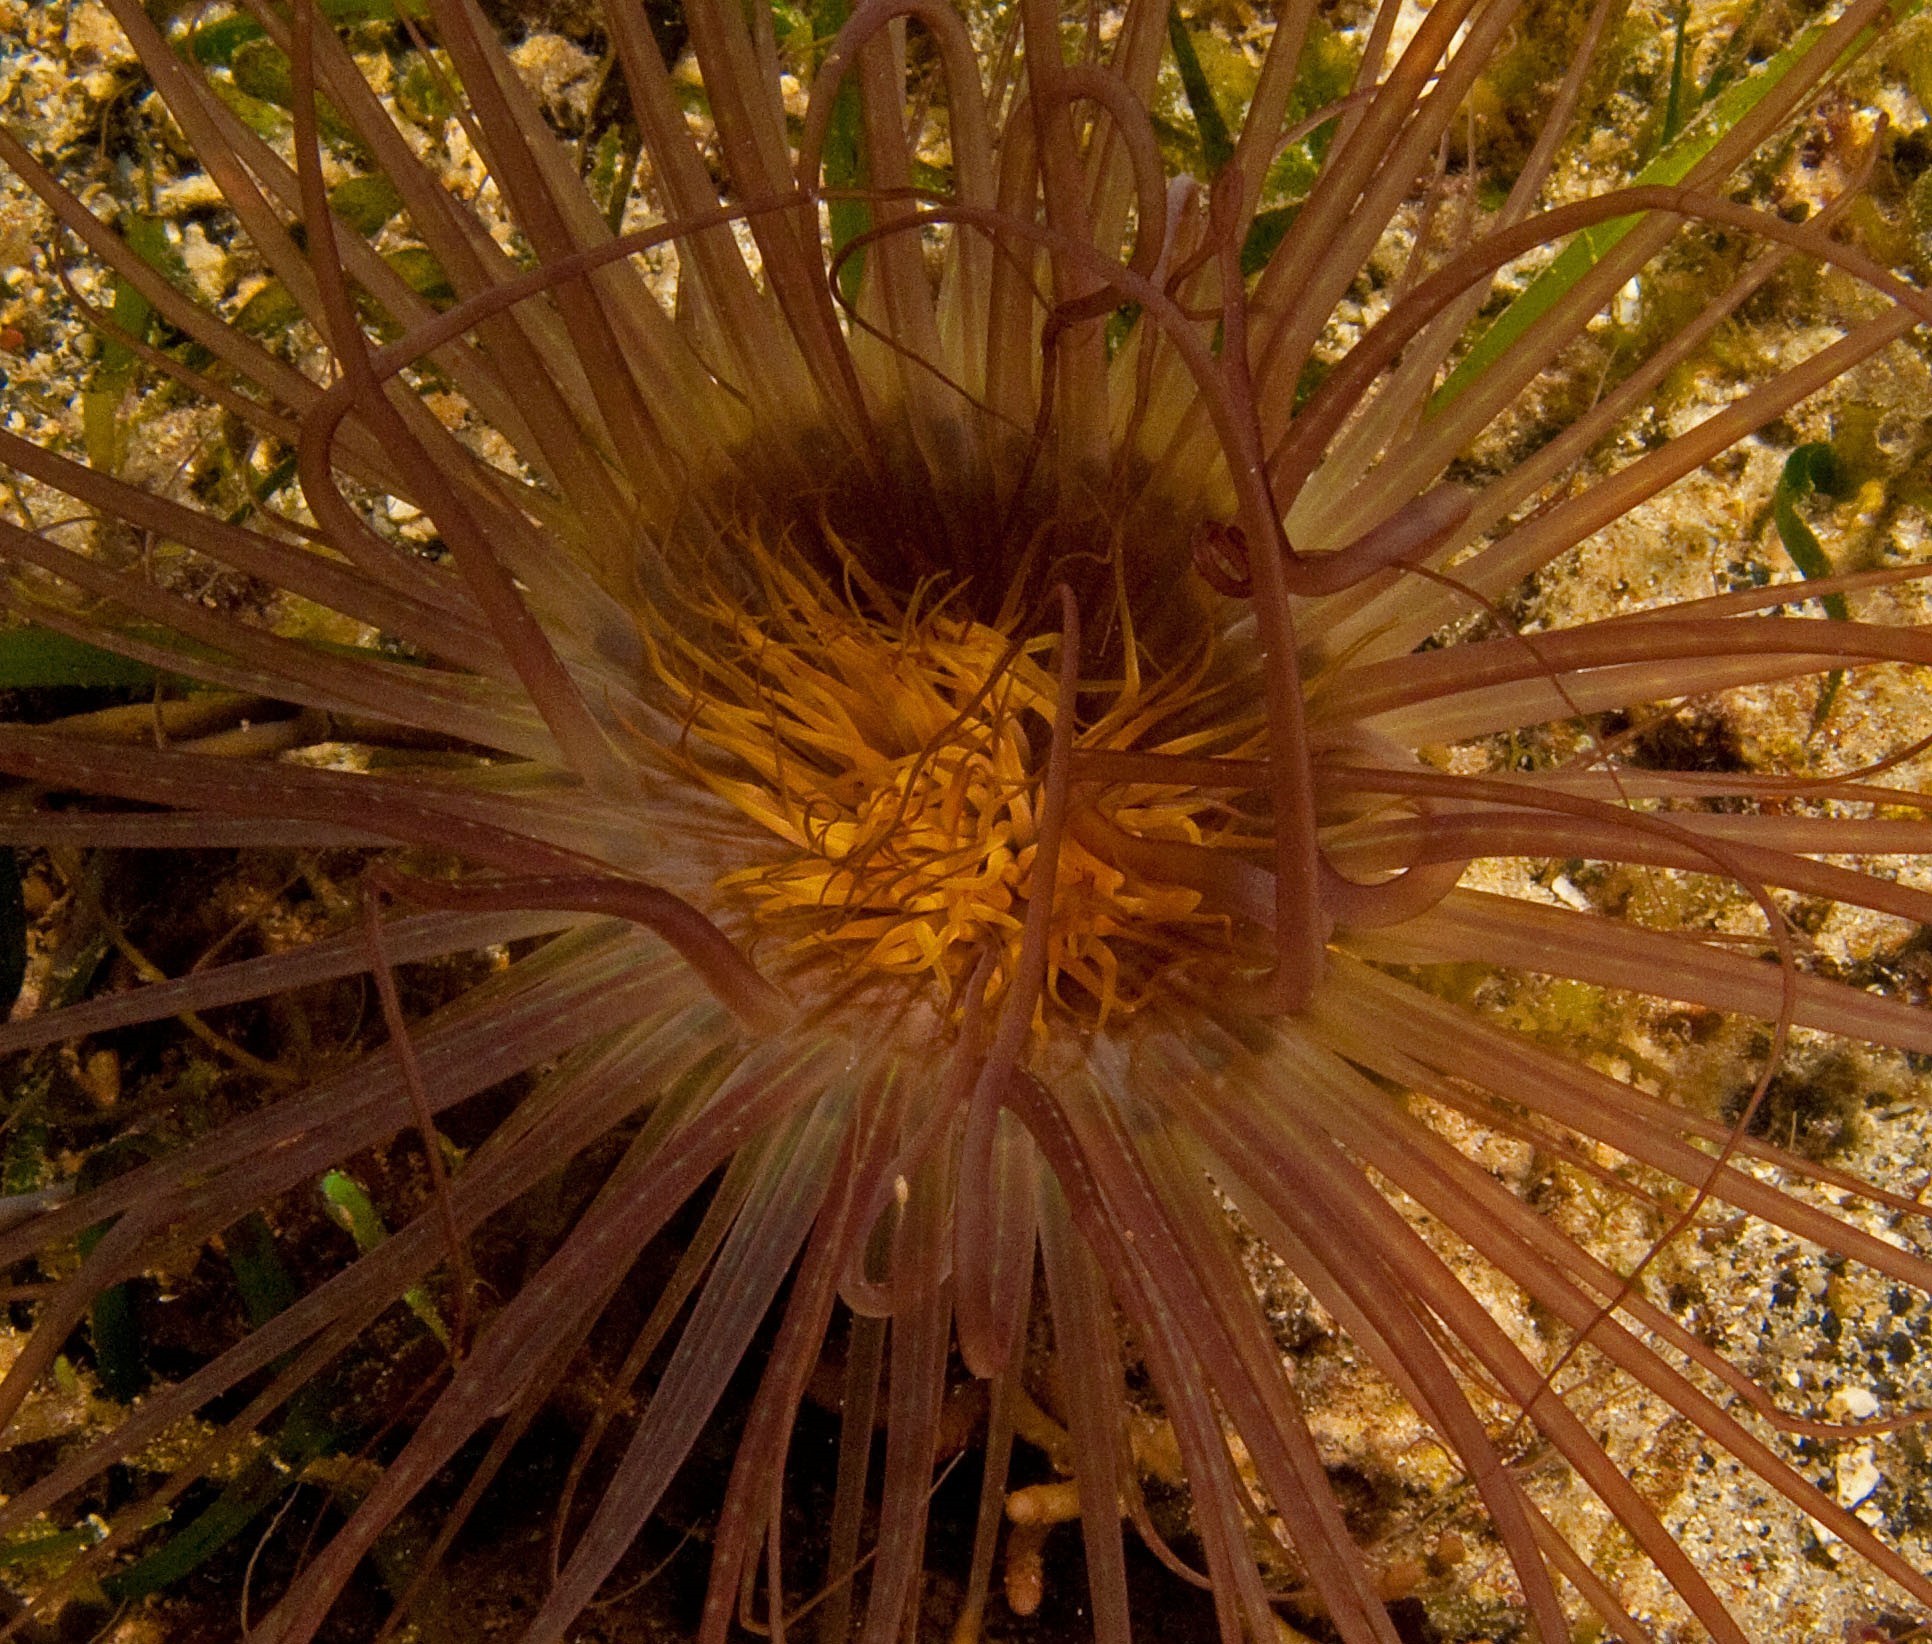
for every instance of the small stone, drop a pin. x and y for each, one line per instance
(1449, 1551)
(1570, 894)
(1858, 1476)
(94, 36)
(101, 1072)
(561, 72)
(206, 262)
(195, 192)
(1400, 1578)
(1855, 1403)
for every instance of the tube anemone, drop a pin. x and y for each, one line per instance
(972, 676)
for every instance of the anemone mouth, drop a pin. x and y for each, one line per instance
(993, 521)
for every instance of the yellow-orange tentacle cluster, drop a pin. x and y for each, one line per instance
(894, 750)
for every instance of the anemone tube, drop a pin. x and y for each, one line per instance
(980, 709)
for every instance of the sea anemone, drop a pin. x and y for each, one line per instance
(968, 652)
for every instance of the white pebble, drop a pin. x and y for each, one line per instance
(1857, 1403)
(1858, 1476)
(1566, 891)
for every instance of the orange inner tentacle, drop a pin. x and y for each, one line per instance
(894, 754)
